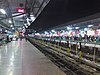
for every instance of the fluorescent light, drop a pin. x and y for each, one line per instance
(5, 30)
(53, 30)
(33, 18)
(85, 29)
(11, 26)
(46, 32)
(28, 19)
(31, 15)
(26, 26)
(90, 25)
(76, 27)
(23, 27)
(28, 23)
(2, 11)
(69, 28)
(10, 21)
(63, 31)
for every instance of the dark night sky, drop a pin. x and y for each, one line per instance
(63, 11)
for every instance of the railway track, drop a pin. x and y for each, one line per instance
(69, 65)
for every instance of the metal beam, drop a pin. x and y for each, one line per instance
(40, 7)
(3, 25)
(2, 17)
(10, 13)
(33, 6)
(12, 16)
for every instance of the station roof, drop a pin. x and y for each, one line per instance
(11, 7)
(58, 12)
(47, 13)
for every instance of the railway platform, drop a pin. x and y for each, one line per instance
(22, 58)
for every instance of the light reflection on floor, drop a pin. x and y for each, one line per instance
(10, 58)
(34, 62)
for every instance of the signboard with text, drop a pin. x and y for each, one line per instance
(20, 10)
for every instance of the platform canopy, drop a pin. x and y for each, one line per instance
(58, 12)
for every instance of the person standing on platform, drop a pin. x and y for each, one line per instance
(26, 36)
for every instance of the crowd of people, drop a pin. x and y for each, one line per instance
(86, 38)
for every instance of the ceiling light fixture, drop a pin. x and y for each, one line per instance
(76, 27)
(26, 26)
(10, 21)
(85, 29)
(52, 30)
(23, 27)
(33, 18)
(11, 26)
(3, 11)
(69, 28)
(90, 25)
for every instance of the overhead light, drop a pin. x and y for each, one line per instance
(53, 30)
(11, 26)
(26, 26)
(76, 27)
(46, 32)
(85, 29)
(3, 11)
(63, 30)
(90, 25)
(5, 30)
(28, 23)
(23, 27)
(32, 18)
(69, 28)
(28, 19)
(31, 15)
(10, 21)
